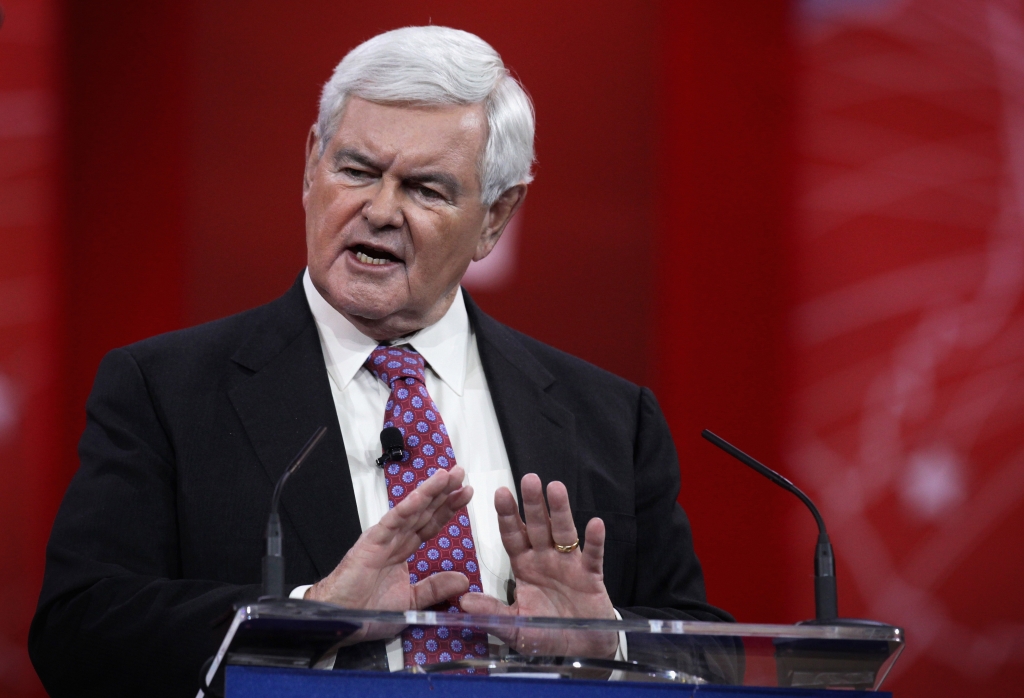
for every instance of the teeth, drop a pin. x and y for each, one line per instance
(367, 259)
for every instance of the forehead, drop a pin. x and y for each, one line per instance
(449, 135)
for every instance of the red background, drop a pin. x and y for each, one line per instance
(150, 165)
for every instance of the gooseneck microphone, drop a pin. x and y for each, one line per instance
(391, 441)
(826, 603)
(273, 561)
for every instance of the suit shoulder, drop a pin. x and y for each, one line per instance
(569, 370)
(218, 340)
(564, 363)
(207, 336)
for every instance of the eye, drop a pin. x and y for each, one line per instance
(428, 193)
(355, 173)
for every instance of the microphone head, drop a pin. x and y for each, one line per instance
(391, 439)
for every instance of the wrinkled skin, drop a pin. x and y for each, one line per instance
(400, 183)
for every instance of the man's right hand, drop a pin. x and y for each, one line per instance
(374, 574)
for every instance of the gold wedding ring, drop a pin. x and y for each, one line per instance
(567, 548)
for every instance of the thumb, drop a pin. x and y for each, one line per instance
(437, 588)
(482, 604)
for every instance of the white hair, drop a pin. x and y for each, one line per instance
(440, 65)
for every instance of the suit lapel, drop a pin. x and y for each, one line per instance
(288, 397)
(285, 400)
(539, 433)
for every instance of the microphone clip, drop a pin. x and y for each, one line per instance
(392, 454)
(391, 440)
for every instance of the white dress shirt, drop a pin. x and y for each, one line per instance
(455, 380)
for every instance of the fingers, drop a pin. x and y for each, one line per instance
(426, 509)
(511, 527)
(437, 588)
(457, 499)
(432, 493)
(427, 498)
(429, 526)
(593, 551)
(541, 530)
(482, 604)
(444, 505)
(538, 525)
(563, 530)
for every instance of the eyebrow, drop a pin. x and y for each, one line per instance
(355, 156)
(429, 177)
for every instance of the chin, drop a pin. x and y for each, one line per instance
(368, 310)
(365, 300)
(372, 307)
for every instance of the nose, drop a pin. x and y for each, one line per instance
(384, 207)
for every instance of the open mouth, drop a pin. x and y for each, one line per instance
(372, 255)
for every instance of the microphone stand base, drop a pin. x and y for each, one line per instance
(856, 664)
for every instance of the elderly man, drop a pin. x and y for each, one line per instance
(419, 158)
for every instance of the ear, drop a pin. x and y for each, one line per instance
(312, 160)
(498, 215)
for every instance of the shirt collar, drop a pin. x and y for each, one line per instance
(444, 345)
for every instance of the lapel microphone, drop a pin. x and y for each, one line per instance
(391, 440)
(273, 561)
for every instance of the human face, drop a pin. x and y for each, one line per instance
(394, 212)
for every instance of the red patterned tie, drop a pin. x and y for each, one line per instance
(427, 448)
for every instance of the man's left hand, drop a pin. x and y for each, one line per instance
(549, 582)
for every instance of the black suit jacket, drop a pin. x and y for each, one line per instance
(161, 529)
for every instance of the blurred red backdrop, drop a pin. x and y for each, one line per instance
(796, 222)
(907, 329)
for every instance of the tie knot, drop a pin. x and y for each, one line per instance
(390, 364)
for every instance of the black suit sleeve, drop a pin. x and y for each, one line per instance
(114, 616)
(669, 584)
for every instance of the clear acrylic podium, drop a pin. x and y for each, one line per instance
(282, 648)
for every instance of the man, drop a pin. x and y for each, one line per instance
(419, 158)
